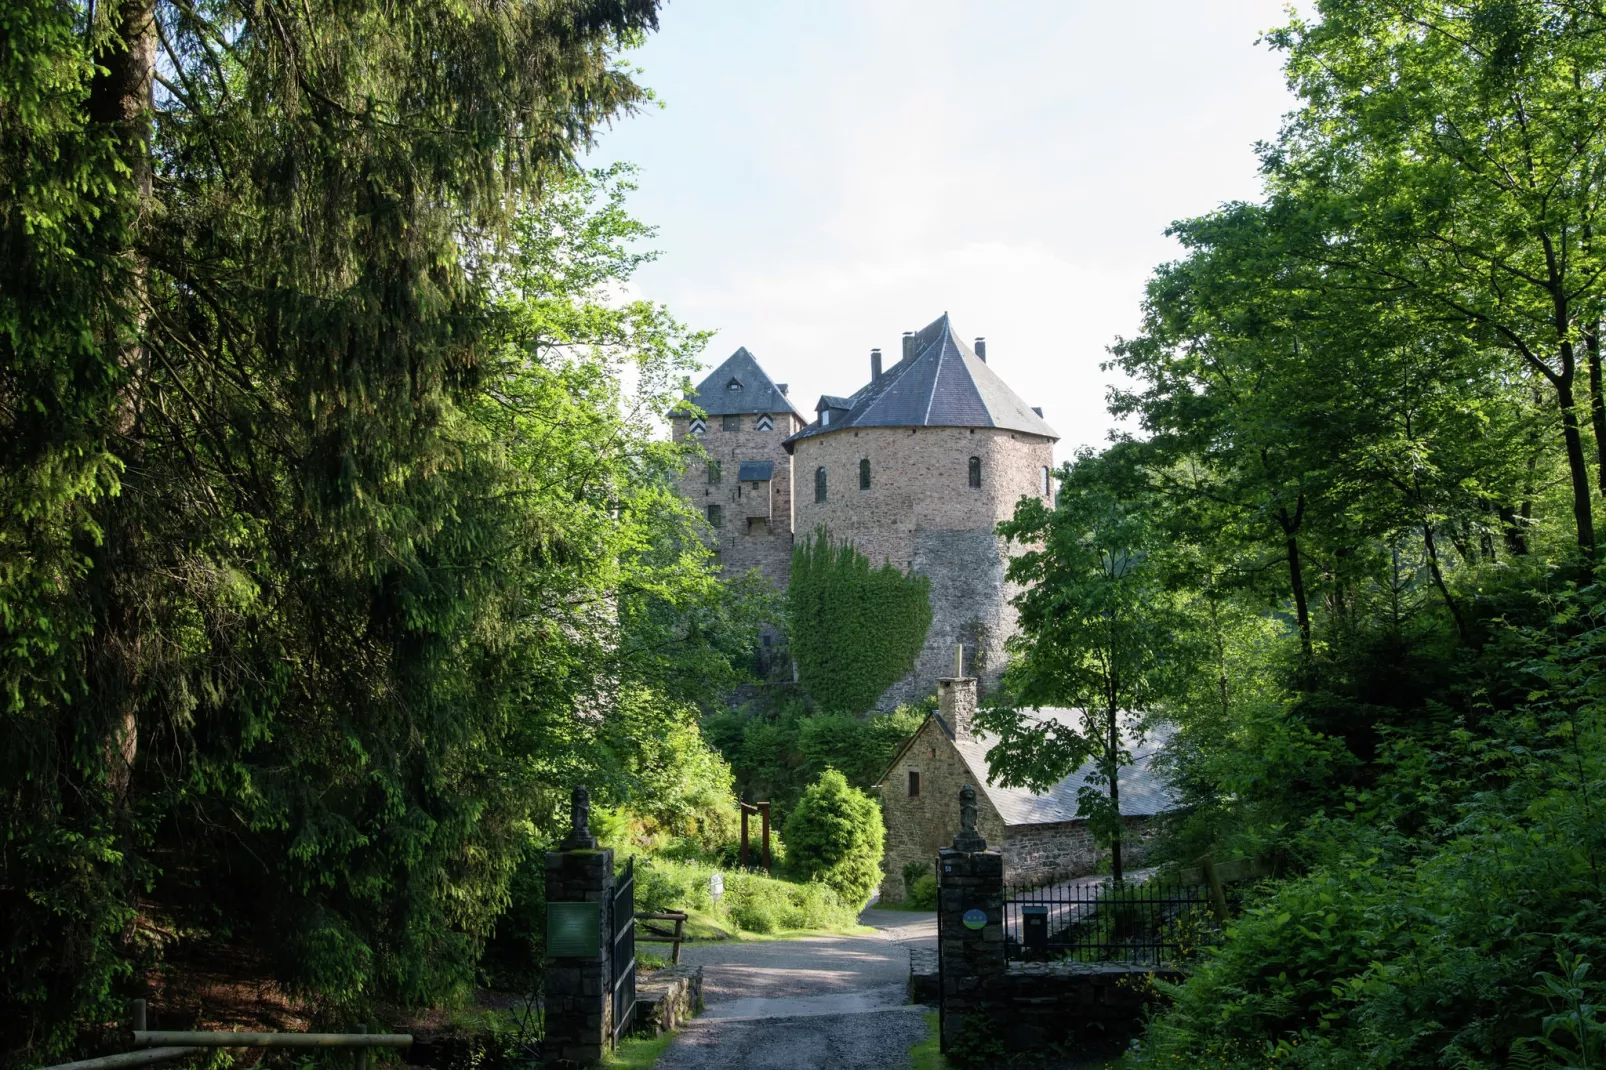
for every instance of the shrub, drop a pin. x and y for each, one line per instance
(835, 836)
(923, 893)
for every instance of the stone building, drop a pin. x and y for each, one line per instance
(1040, 836)
(744, 487)
(916, 468)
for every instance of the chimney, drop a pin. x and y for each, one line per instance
(908, 345)
(782, 388)
(875, 365)
(981, 350)
(956, 698)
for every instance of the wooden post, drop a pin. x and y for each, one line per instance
(680, 934)
(741, 858)
(363, 1056)
(1218, 895)
(764, 814)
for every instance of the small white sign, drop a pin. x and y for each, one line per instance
(716, 886)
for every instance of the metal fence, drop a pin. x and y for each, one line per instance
(622, 933)
(1152, 922)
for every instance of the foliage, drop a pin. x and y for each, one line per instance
(1098, 633)
(776, 753)
(922, 892)
(752, 901)
(854, 630)
(337, 544)
(835, 836)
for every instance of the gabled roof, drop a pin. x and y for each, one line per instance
(943, 384)
(1144, 791)
(756, 391)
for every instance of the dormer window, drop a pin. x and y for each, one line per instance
(765, 422)
(698, 425)
(734, 386)
(825, 417)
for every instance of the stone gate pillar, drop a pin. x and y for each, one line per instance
(578, 976)
(970, 920)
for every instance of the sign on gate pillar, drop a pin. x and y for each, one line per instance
(970, 920)
(579, 889)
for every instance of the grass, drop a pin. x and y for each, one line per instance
(927, 1055)
(751, 903)
(638, 1053)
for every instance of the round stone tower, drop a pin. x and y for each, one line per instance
(917, 469)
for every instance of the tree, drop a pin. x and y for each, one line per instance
(854, 631)
(1098, 633)
(835, 836)
(1450, 153)
(332, 536)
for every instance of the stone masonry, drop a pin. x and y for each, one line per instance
(578, 993)
(920, 825)
(921, 514)
(970, 879)
(916, 803)
(754, 529)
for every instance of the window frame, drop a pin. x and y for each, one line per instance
(715, 515)
(819, 485)
(914, 783)
(973, 472)
(864, 473)
(716, 473)
(731, 422)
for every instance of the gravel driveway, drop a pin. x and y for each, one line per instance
(833, 1002)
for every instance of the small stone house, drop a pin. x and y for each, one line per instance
(1040, 836)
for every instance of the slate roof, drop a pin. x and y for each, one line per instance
(756, 471)
(1144, 791)
(943, 384)
(758, 393)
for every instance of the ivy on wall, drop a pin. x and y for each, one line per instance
(855, 630)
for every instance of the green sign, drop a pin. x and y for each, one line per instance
(975, 919)
(573, 930)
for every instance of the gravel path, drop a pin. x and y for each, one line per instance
(834, 1002)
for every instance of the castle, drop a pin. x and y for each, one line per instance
(916, 468)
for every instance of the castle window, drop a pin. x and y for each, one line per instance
(765, 422)
(732, 423)
(864, 474)
(734, 386)
(914, 784)
(716, 518)
(1045, 481)
(713, 472)
(819, 484)
(975, 471)
(698, 425)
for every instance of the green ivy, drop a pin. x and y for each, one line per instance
(855, 630)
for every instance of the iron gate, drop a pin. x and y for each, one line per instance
(622, 949)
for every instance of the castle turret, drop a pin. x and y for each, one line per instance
(917, 469)
(744, 487)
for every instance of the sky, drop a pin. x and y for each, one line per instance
(828, 174)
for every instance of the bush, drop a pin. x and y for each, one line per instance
(751, 901)
(835, 836)
(922, 893)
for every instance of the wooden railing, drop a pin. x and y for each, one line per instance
(647, 934)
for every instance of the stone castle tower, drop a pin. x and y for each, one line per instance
(916, 468)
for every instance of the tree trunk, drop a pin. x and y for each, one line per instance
(1112, 765)
(1597, 407)
(120, 101)
(1577, 466)
(1296, 572)
(1438, 581)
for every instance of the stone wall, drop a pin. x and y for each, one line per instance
(756, 521)
(918, 826)
(1041, 854)
(920, 513)
(579, 1007)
